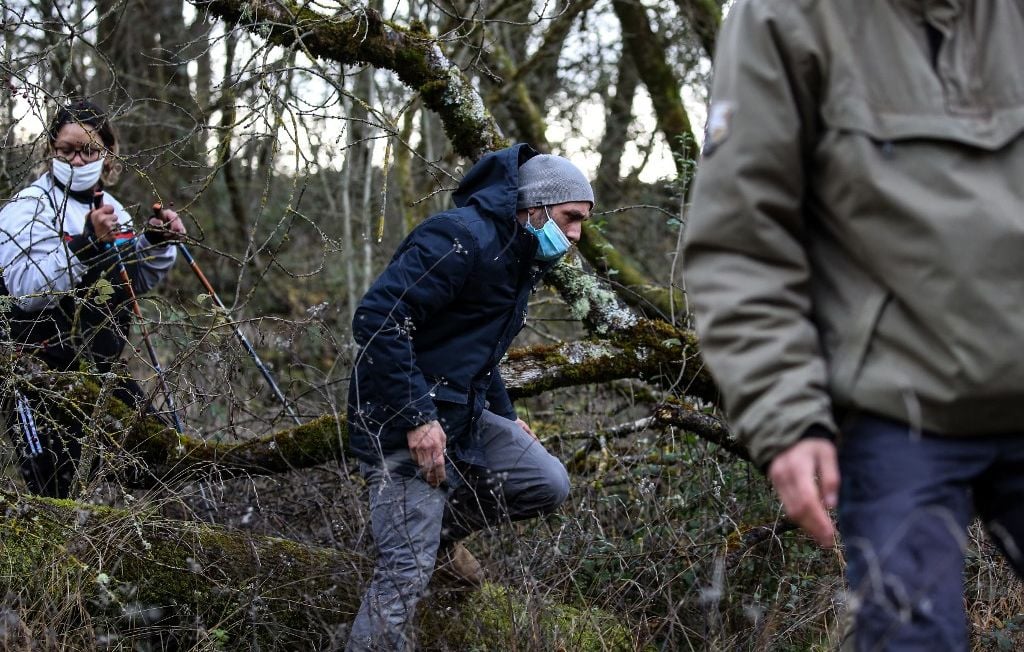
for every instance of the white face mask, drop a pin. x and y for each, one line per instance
(80, 178)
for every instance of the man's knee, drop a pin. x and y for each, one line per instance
(555, 489)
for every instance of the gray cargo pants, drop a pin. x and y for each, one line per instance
(519, 479)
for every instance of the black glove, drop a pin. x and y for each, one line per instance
(85, 246)
(157, 235)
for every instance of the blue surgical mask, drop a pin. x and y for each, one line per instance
(552, 243)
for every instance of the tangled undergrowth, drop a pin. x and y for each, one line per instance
(651, 538)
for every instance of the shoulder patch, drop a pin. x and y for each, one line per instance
(719, 124)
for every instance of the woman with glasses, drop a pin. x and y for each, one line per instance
(62, 240)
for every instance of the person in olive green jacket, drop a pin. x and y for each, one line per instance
(855, 258)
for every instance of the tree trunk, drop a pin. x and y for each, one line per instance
(649, 350)
(661, 82)
(706, 18)
(618, 118)
(136, 575)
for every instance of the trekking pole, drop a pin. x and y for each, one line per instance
(28, 424)
(23, 408)
(123, 271)
(157, 212)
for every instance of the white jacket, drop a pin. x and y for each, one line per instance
(39, 268)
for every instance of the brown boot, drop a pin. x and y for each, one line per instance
(457, 567)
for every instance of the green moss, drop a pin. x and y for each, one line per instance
(495, 614)
(133, 574)
(320, 440)
(314, 442)
(590, 299)
(132, 569)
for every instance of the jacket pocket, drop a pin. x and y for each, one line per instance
(445, 392)
(848, 359)
(990, 129)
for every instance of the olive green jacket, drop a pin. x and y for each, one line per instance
(856, 235)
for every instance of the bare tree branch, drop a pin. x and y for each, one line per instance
(542, 66)
(700, 423)
(367, 38)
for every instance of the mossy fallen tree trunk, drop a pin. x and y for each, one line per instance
(135, 575)
(650, 350)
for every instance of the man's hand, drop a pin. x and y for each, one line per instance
(525, 426)
(426, 444)
(165, 226)
(104, 223)
(806, 475)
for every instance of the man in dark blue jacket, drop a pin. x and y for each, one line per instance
(438, 440)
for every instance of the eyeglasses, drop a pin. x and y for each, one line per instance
(88, 152)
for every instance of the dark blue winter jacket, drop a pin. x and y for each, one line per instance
(434, 325)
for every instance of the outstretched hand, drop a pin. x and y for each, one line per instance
(806, 476)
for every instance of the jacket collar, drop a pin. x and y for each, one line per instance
(81, 196)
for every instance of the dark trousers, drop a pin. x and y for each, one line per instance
(905, 503)
(60, 426)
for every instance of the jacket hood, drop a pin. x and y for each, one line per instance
(492, 184)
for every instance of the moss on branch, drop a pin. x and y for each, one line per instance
(649, 350)
(636, 290)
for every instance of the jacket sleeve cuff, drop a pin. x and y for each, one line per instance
(87, 250)
(818, 431)
(156, 238)
(419, 412)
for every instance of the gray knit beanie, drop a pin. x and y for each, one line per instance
(546, 180)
